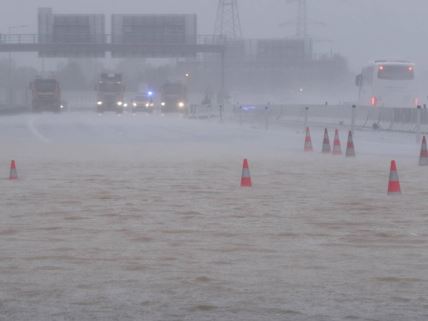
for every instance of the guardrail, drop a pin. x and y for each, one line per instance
(381, 118)
(19, 39)
(13, 110)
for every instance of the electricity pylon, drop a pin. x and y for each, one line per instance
(227, 23)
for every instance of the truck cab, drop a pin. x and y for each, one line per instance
(174, 97)
(46, 95)
(110, 93)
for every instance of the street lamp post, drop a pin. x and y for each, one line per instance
(10, 99)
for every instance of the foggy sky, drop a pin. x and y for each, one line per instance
(361, 30)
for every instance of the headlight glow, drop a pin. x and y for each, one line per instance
(119, 103)
(99, 103)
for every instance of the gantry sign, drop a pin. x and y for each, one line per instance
(132, 35)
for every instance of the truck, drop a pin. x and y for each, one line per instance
(174, 97)
(46, 95)
(110, 93)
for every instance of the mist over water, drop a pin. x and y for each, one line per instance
(123, 217)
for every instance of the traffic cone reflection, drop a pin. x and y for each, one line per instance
(13, 173)
(245, 178)
(337, 149)
(394, 182)
(423, 159)
(326, 143)
(308, 141)
(350, 149)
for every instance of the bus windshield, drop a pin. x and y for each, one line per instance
(396, 72)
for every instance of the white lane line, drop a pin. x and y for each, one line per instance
(36, 132)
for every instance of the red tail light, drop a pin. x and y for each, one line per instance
(373, 101)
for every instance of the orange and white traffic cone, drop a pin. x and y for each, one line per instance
(394, 182)
(326, 143)
(13, 173)
(308, 141)
(245, 178)
(337, 149)
(350, 149)
(423, 159)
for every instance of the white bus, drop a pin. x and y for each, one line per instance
(388, 83)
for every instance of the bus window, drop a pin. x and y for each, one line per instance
(395, 72)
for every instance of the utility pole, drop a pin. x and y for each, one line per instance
(10, 94)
